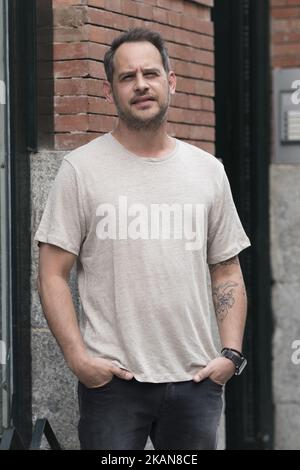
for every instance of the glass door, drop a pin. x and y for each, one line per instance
(5, 317)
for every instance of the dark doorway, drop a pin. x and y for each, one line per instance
(243, 132)
(22, 140)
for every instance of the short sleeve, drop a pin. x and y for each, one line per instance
(226, 236)
(63, 221)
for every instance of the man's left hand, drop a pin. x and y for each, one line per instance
(219, 370)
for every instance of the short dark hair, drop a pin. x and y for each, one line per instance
(135, 35)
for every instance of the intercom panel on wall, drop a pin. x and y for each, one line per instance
(286, 98)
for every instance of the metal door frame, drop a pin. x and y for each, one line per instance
(5, 169)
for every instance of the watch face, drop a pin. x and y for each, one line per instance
(242, 367)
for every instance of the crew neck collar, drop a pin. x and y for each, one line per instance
(155, 160)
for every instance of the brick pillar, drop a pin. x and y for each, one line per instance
(285, 33)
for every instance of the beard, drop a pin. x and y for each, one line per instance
(136, 122)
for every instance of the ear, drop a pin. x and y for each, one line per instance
(172, 82)
(107, 91)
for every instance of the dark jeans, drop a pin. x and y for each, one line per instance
(176, 415)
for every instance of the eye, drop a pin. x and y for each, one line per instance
(127, 77)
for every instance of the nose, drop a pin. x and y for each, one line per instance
(141, 84)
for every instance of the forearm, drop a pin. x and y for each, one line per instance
(230, 302)
(58, 307)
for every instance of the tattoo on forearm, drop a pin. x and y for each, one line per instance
(214, 267)
(223, 297)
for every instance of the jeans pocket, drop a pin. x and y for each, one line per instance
(99, 388)
(212, 382)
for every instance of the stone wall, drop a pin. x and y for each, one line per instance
(53, 385)
(285, 232)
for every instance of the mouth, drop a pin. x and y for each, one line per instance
(143, 100)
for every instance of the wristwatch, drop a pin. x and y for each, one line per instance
(236, 357)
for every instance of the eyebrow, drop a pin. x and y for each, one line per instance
(132, 72)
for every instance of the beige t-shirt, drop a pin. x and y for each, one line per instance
(144, 230)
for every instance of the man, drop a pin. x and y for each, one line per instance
(144, 214)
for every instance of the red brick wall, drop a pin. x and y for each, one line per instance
(285, 31)
(83, 29)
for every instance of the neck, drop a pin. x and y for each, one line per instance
(144, 142)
